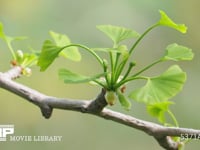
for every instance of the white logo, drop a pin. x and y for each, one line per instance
(6, 130)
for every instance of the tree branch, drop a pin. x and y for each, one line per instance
(96, 107)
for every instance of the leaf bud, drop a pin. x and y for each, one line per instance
(132, 64)
(26, 71)
(110, 97)
(20, 54)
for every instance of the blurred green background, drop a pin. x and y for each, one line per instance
(77, 19)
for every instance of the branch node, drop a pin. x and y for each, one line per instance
(162, 134)
(168, 143)
(98, 104)
(46, 110)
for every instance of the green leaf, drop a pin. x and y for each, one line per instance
(62, 40)
(123, 50)
(161, 88)
(26, 59)
(52, 50)
(177, 52)
(166, 21)
(9, 39)
(117, 34)
(124, 100)
(158, 110)
(71, 77)
(29, 60)
(49, 52)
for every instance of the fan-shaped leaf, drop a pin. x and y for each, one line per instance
(9, 39)
(166, 21)
(161, 88)
(49, 52)
(177, 52)
(62, 40)
(117, 34)
(158, 110)
(71, 77)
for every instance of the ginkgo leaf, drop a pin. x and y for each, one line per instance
(26, 59)
(59, 39)
(62, 40)
(116, 33)
(71, 77)
(158, 110)
(49, 52)
(166, 21)
(177, 52)
(161, 88)
(9, 39)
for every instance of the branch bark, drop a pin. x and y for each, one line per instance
(96, 107)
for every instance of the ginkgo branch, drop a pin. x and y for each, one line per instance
(96, 107)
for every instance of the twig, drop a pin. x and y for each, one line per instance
(96, 107)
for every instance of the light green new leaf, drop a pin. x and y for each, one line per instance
(124, 100)
(177, 52)
(71, 77)
(161, 88)
(166, 21)
(158, 110)
(123, 50)
(117, 34)
(62, 40)
(30, 59)
(49, 52)
(26, 59)
(9, 40)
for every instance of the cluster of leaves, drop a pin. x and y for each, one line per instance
(19, 58)
(155, 93)
(115, 75)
